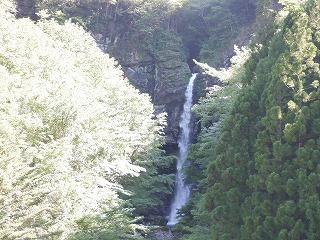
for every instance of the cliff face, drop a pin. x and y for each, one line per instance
(165, 84)
(163, 74)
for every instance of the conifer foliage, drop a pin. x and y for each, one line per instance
(263, 176)
(285, 189)
(69, 127)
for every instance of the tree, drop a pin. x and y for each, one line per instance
(262, 179)
(226, 117)
(70, 124)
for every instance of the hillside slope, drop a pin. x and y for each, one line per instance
(262, 176)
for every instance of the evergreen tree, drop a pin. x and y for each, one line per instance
(283, 185)
(262, 180)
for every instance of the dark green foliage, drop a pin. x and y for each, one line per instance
(228, 172)
(151, 191)
(207, 27)
(213, 25)
(96, 228)
(263, 175)
(286, 142)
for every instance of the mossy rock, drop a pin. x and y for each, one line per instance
(162, 56)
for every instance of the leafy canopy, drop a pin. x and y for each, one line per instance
(69, 126)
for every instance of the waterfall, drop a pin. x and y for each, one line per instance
(181, 190)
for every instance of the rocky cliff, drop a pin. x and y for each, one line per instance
(163, 74)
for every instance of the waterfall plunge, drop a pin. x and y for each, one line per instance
(182, 191)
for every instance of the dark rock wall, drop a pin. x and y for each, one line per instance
(165, 83)
(164, 75)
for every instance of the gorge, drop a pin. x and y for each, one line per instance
(96, 139)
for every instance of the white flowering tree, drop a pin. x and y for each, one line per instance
(69, 126)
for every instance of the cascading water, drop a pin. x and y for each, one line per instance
(181, 190)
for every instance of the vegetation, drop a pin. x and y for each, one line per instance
(80, 148)
(262, 169)
(212, 27)
(71, 126)
(206, 27)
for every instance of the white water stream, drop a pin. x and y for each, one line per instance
(181, 190)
